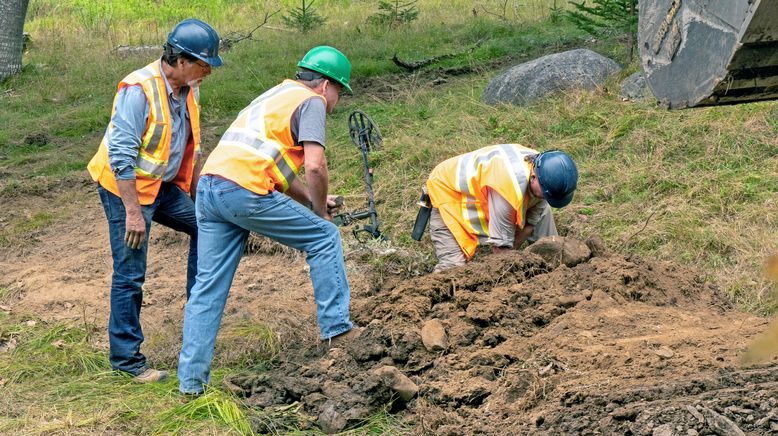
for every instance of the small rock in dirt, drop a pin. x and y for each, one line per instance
(6, 309)
(30, 323)
(602, 299)
(691, 432)
(697, 415)
(663, 430)
(59, 343)
(556, 250)
(7, 345)
(433, 335)
(720, 424)
(330, 420)
(597, 246)
(763, 421)
(398, 382)
(664, 352)
(572, 300)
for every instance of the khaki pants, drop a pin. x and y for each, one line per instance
(447, 248)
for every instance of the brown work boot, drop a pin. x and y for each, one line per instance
(343, 338)
(150, 375)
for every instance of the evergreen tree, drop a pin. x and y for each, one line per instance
(604, 18)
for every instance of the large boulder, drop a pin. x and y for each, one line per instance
(570, 70)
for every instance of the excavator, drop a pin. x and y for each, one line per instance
(709, 52)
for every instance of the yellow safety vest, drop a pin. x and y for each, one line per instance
(458, 187)
(154, 149)
(258, 151)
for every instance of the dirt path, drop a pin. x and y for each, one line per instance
(612, 345)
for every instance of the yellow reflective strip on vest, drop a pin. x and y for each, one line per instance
(142, 74)
(258, 107)
(269, 149)
(518, 166)
(473, 214)
(148, 168)
(154, 136)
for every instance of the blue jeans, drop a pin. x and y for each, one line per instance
(172, 208)
(226, 213)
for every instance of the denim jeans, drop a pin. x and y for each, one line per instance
(226, 213)
(172, 208)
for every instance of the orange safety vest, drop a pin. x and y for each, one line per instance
(258, 151)
(458, 188)
(154, 149)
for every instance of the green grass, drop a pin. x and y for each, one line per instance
(57, 379)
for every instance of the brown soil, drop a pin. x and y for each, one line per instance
(613, 345)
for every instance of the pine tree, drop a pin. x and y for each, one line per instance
(607, 18)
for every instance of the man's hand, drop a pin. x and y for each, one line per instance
(135, 226)
(334, 204)
(134, 223)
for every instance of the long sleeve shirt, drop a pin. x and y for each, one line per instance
(129, 124)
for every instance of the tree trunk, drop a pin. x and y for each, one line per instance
(12, 13)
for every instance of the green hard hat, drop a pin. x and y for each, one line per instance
(330, 62)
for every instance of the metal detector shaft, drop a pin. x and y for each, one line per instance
(366, 136)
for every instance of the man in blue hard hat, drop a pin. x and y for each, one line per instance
(146, 169)
(498, 196)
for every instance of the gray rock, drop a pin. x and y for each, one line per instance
(330, 420)
(530, 81)
(721, 425)
(597, 246)
(697, 415)
(398, 382)
(556, 249)
(664, 352)
(663, 430)
(635, 88)
(433, 335)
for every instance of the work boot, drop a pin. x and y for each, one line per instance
(343, 339)
(150, 375)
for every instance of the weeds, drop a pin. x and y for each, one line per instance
(213, 405)
(395, 13)
(304, 18)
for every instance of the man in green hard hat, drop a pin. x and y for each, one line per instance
(249, 184)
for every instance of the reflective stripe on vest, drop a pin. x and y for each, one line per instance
(468, 169)
(258, 151)
(459, 187)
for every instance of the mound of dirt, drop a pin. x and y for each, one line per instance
(611, 345)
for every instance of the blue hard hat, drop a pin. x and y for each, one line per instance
(196, 38)
(558, 177)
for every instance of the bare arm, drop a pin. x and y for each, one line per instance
(135, 232)
(522, 235)
(299, 192)
(317, 178)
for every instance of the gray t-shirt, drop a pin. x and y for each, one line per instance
(308, 121)
(502, 218)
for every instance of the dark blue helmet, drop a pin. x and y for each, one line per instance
(198, 39)
(558, 177)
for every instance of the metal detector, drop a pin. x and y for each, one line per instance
(367, 137)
